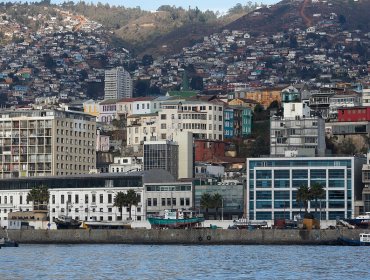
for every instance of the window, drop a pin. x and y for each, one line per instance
(101, 198)
(109, 198)
(154, 202)
(86, 198)
(163, 202)
(187, 200)
(168, 201)
(93, 198)
(182, 201)
(174, 201)
(76, 198)
(163, 116)
(62, 199)
(149, 202)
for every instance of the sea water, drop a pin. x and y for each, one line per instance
(184, 262)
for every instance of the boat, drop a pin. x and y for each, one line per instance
(362, 221)
(107, 225)
(245, 224)
(6, 242)
(67, 222)
(363, 241)
(178, 218)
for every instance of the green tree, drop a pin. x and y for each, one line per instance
(217, 202)
(316, 192)
(119, 202)
(39, 196)
(206, 202)
(303, 196)
(131, 199)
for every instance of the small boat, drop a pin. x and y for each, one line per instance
(175, 219)
(67, 222)
(364, 240)
(362, 221)
(107, 225)
(6, 242)
(245, 224)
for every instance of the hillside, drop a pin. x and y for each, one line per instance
(304, 13)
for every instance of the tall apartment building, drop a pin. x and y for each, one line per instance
(117, 84)
(297, 132)
(46, 142)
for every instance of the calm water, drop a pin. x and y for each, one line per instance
(183, 262)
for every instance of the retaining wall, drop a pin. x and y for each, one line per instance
(184, 236)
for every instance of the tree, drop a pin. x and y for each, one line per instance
(196, 83)
(119, 201)
(217, 202)
(206, 202)
(131, 199)
(303, 196)
(147, 60)
(317, 191)
(39, 196)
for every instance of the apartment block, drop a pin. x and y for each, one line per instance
(46, 142)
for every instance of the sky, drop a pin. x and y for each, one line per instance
(151, 5)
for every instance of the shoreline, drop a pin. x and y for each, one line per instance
(204, 236)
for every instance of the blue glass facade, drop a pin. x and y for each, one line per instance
(272, 186)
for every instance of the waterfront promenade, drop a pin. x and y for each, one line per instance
(204, 236)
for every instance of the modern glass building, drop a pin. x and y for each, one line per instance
(272, 185)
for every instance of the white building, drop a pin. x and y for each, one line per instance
(46, 143)
(126, 164)
(87, 197)
(297, 133)
(117, 84)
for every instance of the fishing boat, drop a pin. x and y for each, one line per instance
(175, 219)
(6, 242)
(67, 222)
(362, 221)
(363, 241)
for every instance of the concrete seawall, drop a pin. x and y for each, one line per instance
(188, 236)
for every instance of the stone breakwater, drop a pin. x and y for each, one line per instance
(183, 236)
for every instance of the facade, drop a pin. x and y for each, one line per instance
(108, 111)
(290, 94)
(91, 107)
(233, 118)
(304, 136)
(117, 84)
(160, 197)
(126, 164)
(246, 122)
(46, 143)
(102, 142)
(162, 155)
(265, 96)
(208, 150)
(272, 185)
(353, 114)
(232, 193)
(85, 197)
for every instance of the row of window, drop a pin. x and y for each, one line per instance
(74, 125)
(169, 201)
(108, 198)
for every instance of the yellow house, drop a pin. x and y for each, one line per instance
(91, 107)
(265, 96)
(243, 102)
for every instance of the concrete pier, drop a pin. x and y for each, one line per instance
(204, 236)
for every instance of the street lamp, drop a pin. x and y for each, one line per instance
(222, 210)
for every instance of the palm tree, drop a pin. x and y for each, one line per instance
(39, 196)
(303, 196)
(206, 202)
(317, 191)
(217, 202)
(119, 201)
(131, 198)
